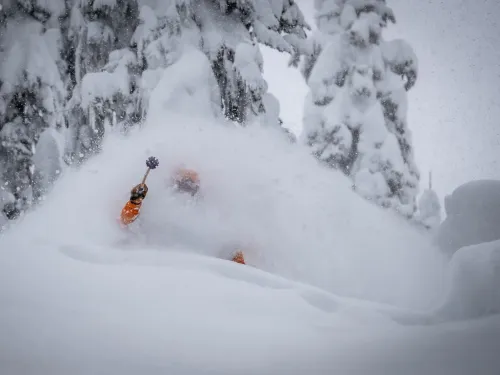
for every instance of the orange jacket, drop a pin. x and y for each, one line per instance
(130, 212)
(187, 174)
(238, 257)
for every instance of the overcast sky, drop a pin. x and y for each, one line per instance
(454, 109)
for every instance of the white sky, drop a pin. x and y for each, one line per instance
(454, 109)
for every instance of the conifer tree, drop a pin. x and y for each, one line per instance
(31, 97)
(355, 111)
(102, 70)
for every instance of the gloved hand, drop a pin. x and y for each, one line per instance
(139, 192)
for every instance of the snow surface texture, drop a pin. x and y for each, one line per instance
(472, 215)
(474, 285)
(80, 295)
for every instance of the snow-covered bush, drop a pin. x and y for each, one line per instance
(472, 215)
(355, 112)
(429, 209)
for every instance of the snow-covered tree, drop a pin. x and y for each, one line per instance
(230, 33)
(113, 76)
(31, 95)
(102, 70)
(429, 208)
(157, 42)
(355, 112)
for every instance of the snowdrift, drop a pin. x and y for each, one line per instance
(470, 236)
(74, 310)
(474, 283)
(80, 310)
(259, 193)
(472, 216)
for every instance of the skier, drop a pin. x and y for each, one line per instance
(184, 180)
(187, 180)
(132, 208)
(238, 257)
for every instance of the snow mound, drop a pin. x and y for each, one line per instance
(472, 215)
(129, 311)
(474, 284)
(188, 86)
(169, 311)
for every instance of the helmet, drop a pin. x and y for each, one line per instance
(187, 180)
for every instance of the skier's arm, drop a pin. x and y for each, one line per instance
(132, 208)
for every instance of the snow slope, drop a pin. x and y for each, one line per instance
(292, 217)
(259, 192)
(92, 314)
(80, 295)
(89, 310)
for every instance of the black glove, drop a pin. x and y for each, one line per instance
(139, 192)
